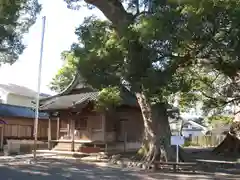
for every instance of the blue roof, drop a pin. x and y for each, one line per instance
(7, 110)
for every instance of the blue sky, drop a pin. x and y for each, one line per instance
(59, 35)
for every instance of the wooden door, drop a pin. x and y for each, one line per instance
(122, 129)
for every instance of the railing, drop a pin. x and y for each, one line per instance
(63, 129)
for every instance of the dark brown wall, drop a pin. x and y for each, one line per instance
(94, 122)
(132, 116)
(133, 123)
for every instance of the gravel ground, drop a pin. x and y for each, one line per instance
(51, 168)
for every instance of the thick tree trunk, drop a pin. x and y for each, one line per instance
(156, 129)
(231, 144)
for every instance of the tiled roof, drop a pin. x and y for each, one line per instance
(65, 99)
(7, 110)
(68, 101)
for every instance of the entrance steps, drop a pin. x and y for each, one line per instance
(62, 146)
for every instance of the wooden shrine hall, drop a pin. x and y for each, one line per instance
(79, 124)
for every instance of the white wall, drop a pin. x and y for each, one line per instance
(187, 133)
(3, 96)
(19, 100)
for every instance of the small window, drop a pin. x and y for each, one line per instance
(81, 124)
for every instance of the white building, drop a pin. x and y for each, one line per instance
(18, 95)
(188, 128)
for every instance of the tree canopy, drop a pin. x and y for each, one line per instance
(194, 56)
(202, 37)
(191, 35)
(16, 17)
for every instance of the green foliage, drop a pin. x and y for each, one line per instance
(191, 49)
(99, 53)
(214, 26)
(220, 119)
(108, 98)
(66, 74)
(106, 59)
(16, 17)
(189, 143)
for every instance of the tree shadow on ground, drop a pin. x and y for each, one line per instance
(210, 162)
(50, 169)
(62, 169)
(207, 153)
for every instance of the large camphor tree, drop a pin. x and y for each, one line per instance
(16, 17)
(149, 48)
(141, 52)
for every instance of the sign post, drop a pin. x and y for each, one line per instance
(177, 153)
(177, 140)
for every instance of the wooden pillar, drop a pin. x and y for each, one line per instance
(58, 128)
(49, 133)
(2, 134)
(72, 133)
(69, 128)
(104, 126)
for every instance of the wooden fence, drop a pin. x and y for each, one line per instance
(18, 131)
(206, 141)
(24, 131)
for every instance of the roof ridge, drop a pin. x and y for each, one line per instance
(73, 84)
(63, 92)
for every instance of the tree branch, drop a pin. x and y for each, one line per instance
(224, 102)
(236, 113)
(114, 11)
(140, 13)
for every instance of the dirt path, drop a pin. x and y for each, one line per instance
(62, 169)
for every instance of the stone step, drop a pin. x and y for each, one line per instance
(66, 147)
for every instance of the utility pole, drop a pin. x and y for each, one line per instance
(38, 89)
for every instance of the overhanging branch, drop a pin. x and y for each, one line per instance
(114, 11)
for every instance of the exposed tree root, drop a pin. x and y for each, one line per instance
(159, 153)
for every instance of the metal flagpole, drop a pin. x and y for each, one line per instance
(38, 89)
